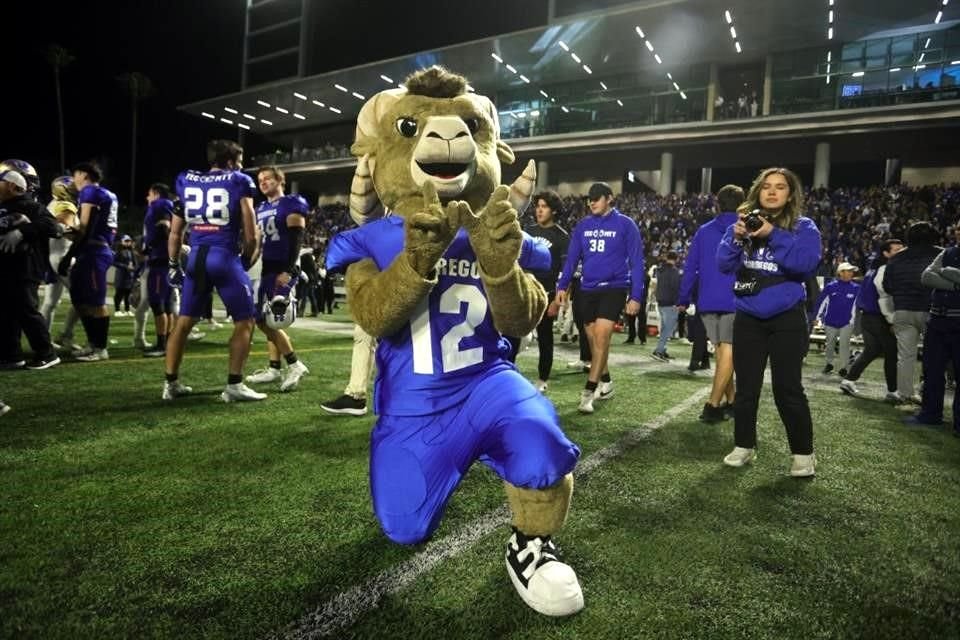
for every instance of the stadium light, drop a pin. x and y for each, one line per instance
(534, 113)
(619, 102)
(511, 68)
(299, 95)
(263, 104)
(358, 96)
(576, 58)
(243, 126)
(318, 103)
(281, 110)
(225, 120)
(733, 32)
(341, 88)
(602, 84)
(728, 17)
(335, 110)
(386, 79)
(830, 33)
(939, 16)
(683, 95)
(565, 110)
(266, 122)
(737, 45)
(649, 45)
(525, 78)
(857, 74)
(495, 57)
(544, 93)
(299, 117)
(894, 70)
(640, 32)
(231, 110)
(587, 69)
(563, 45)
(656, 57)
(208, 115)
(250, 117)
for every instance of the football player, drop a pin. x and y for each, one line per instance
(92, 248)
(218, 210)
(156, 232)
(282, 222)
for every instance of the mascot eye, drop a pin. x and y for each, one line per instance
(473, 125)
(407, 127)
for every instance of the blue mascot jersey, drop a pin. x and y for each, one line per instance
(450, 343)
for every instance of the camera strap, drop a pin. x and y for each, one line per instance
(750, 282)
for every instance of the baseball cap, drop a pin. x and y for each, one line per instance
(598, 189)
(846, 266)
(14, 178)
(125, 237)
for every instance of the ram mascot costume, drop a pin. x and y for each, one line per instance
(439, 279)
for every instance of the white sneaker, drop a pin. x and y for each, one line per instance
(849, 387)
(295, 371)
(892, 397)
(175, 389)
(541, 386)
(95, 355)
(213, 324)
(546, 584)
(739, 457)
(803, 466)
(240, 393)
(267, 374)
(578, 365)
(586, 402)
(604, 390)
(196, 335)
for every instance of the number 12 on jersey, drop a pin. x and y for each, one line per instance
(452, 358)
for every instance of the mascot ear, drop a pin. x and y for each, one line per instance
(368, 120)
(505, 153)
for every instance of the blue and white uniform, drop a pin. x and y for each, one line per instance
(445, 393)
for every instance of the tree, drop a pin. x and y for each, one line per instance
(58, 58)
(138, 87)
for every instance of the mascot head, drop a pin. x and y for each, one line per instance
(432, 129)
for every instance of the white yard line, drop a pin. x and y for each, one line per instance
(347, 606)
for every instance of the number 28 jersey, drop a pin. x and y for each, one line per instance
(211, 206)
(432, 363)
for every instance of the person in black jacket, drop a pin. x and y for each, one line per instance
(25, 231)
(308, 266)
(548, 204)
(911, 301)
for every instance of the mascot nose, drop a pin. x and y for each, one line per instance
(446, 128)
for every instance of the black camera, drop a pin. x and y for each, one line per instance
(752, 221)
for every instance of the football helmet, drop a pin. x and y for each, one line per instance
(62, 189)
(280, 312)
(25, 169)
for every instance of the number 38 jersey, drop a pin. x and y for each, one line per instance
(433, 362)
(211, 206)
(272, 220)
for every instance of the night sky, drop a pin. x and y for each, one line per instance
(191, 50)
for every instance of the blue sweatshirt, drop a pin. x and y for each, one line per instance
(868, 299)
(611, 249)
(715, 289)
(839, 298)
(794, 254)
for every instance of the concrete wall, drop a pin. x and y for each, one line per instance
(917, 176)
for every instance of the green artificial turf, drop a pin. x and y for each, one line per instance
(123, 516)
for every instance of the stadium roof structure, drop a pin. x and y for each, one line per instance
(646, 39)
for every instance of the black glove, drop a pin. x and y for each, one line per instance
(175, 273)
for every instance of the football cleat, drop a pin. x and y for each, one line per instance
(546, 584)
(295, 371)
(240, 393)
(175, 389)
(262, 376)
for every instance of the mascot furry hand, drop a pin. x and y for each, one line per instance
(439, 280)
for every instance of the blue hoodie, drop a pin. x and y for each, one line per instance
(612, 252)
(839, 297)
(715, 290)
(794, 254)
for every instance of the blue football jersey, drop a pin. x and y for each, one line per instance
(211, 206)
(105, 207)
(432, 362)
(158, 210)
(272, 220)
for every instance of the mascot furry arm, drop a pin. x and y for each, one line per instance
(460, 131)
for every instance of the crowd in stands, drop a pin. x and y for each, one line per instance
(328, 151)
(853, 221)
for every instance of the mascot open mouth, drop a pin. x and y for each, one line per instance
(443, 170)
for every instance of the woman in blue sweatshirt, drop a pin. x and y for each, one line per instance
(772, 248)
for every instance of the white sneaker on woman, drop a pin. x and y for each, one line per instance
(739, 457)
(803, 466)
